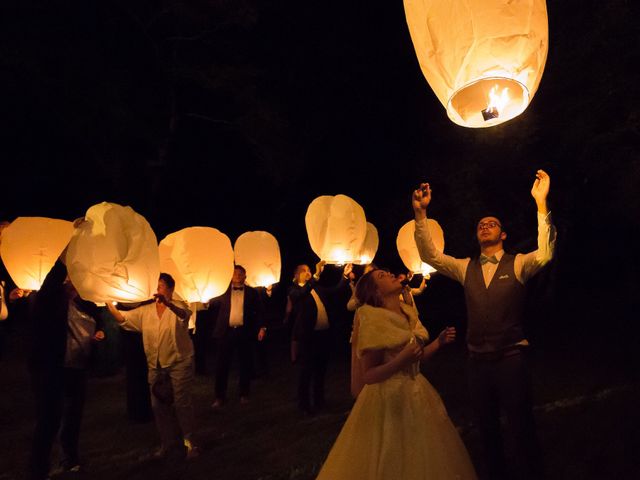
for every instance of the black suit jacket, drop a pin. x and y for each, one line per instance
(305, 319)
(252, 306)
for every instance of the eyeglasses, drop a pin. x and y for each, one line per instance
(491, 224)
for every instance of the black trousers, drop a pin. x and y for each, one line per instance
(313, 360)
(236, 340)
(136, 378)
(59, 400)
(498, 385)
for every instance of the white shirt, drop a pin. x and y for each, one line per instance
(525, 265)
(166, 338)
(236, 314)
(322, 319)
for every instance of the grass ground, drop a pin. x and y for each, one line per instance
(586, 407)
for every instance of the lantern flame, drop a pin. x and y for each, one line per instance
(338, 256)
(497, 103)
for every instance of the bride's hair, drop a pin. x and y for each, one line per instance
(367, 290)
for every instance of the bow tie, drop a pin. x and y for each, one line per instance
(484, 259)
(238, 288)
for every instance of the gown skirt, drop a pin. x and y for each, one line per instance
(398, 430)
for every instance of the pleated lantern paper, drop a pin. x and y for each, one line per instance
(483, 58)
(259, 253)
(369, 246)
(30, 247)
(113, 256)
(200, 260)
(336, 227)
(409, 251)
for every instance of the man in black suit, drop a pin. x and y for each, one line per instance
(311, 336)
(238, 321)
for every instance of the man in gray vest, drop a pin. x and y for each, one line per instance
(494, 290)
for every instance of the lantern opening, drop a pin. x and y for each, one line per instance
(488, 102)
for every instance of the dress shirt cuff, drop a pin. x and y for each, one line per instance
(544, 219)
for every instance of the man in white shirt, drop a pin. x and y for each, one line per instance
(164, 326)
(494, 292)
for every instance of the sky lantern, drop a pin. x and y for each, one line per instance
(30, 247)
(483, 58)
(336, 227)
(113, 256)
(409, 251)
(259, 253)
(200, 260)
(369, 246)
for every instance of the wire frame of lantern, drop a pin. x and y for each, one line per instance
(369, 246)
(30, 247)
(408, 251)
(336, 228)
(113, 256)
(484, 59)
(259, 253)
(200, 260)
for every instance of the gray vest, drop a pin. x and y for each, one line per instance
(494, 314)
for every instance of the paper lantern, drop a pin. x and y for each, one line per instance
(113, 256)
(409, 251)
(259, 253)
(483, 58)
(369, 246)
(200, 260)
(30, 247)
(336, 227)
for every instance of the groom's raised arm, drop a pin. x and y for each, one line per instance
(452, 267)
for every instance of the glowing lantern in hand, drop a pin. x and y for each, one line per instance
(336, 227)
(369, 246)
(30, 247)
(409, 251)
(483, 58)
(259, 254)
(200, 260)
(113, 256)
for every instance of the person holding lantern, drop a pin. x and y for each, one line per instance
(164, 326)
(398, 426)
(498, 371)
(311, 336)
(302, 283)
(64, 329)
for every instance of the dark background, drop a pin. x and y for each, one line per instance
(237, 114)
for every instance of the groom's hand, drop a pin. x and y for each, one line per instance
(540, 190)
(420, 200)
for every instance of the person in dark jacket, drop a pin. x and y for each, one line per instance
(311, 337)
(64, 328)
(239, 320)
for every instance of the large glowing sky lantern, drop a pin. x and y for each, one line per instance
(200, 260)
(409, 251)
(258, 252)
(369, 246)
(337, 228)
(30, 247)
(483, 58)
(113, 256)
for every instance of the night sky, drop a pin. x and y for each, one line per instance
(237, 114)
